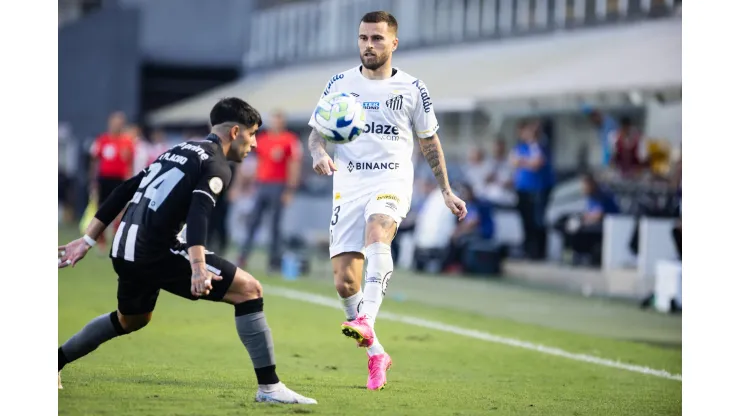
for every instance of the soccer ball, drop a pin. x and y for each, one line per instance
(340, 118)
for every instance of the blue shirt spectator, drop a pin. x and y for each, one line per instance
(481, 213)
(599, 201)
(602, 202)
(607, 126)
(528, 175)
(479, 221)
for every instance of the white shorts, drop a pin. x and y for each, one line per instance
(348, 218)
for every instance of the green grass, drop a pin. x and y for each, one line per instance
(189, 361)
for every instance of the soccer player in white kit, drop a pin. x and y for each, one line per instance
(373, 179)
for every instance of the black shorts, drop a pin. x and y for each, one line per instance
(106, 186)
(139, 284)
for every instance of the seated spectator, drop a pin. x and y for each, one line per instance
(477, 226)
(498, 188)
(582, 232)
(477, 169)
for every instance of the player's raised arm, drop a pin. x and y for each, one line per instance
(322, 163)
(212, 182)
(71, 253)
(426, 126)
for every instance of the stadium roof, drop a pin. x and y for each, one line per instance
(640, 56)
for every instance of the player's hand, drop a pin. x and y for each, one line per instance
(200, 282)
(72, 253)
(456, 205)
(324, 165)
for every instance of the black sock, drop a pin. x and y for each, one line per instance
(62, 360)
(99, 330)
(267, 375)
(251, 325)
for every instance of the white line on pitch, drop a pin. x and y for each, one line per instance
(471, 333)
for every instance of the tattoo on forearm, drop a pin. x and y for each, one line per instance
(432, 151)
(316, 145)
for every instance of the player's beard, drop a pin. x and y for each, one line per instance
(373, 62)
(233, 154)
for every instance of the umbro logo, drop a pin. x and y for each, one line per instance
(355, 94)
(395, 102)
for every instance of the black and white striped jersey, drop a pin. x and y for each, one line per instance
(180, 187)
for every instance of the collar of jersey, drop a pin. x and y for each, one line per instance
(213, 138)
(394, 71)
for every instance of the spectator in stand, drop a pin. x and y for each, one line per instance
(626, 155)
(607, 126)
(477, 170)
(279, 156)
(141, 147)
(582, 232)
(548, 181)
(498, 186)
(477, 226)
(422, 189)
(528, 160)
(112, 157)
(158, 144)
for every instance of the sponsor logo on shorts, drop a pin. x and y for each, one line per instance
(351, 166)
(388, 196)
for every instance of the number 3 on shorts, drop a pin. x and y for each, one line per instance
(335, 217)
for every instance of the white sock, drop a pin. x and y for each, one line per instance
(352, 305)
(376, 348)
(379, 271)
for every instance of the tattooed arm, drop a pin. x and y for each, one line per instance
(431, 148)
(322, 163)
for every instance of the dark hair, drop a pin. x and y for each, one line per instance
(379, 17)
(235, 110)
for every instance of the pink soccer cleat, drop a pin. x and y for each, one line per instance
(360, 330)
(377, 365)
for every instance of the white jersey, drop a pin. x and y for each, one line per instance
(395, 109)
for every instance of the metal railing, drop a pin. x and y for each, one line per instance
(327, 29)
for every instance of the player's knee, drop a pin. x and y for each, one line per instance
(244, 288)
(345, 281)
(380, 228)
(131, 323)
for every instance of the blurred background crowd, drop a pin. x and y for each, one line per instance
(560, 121)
